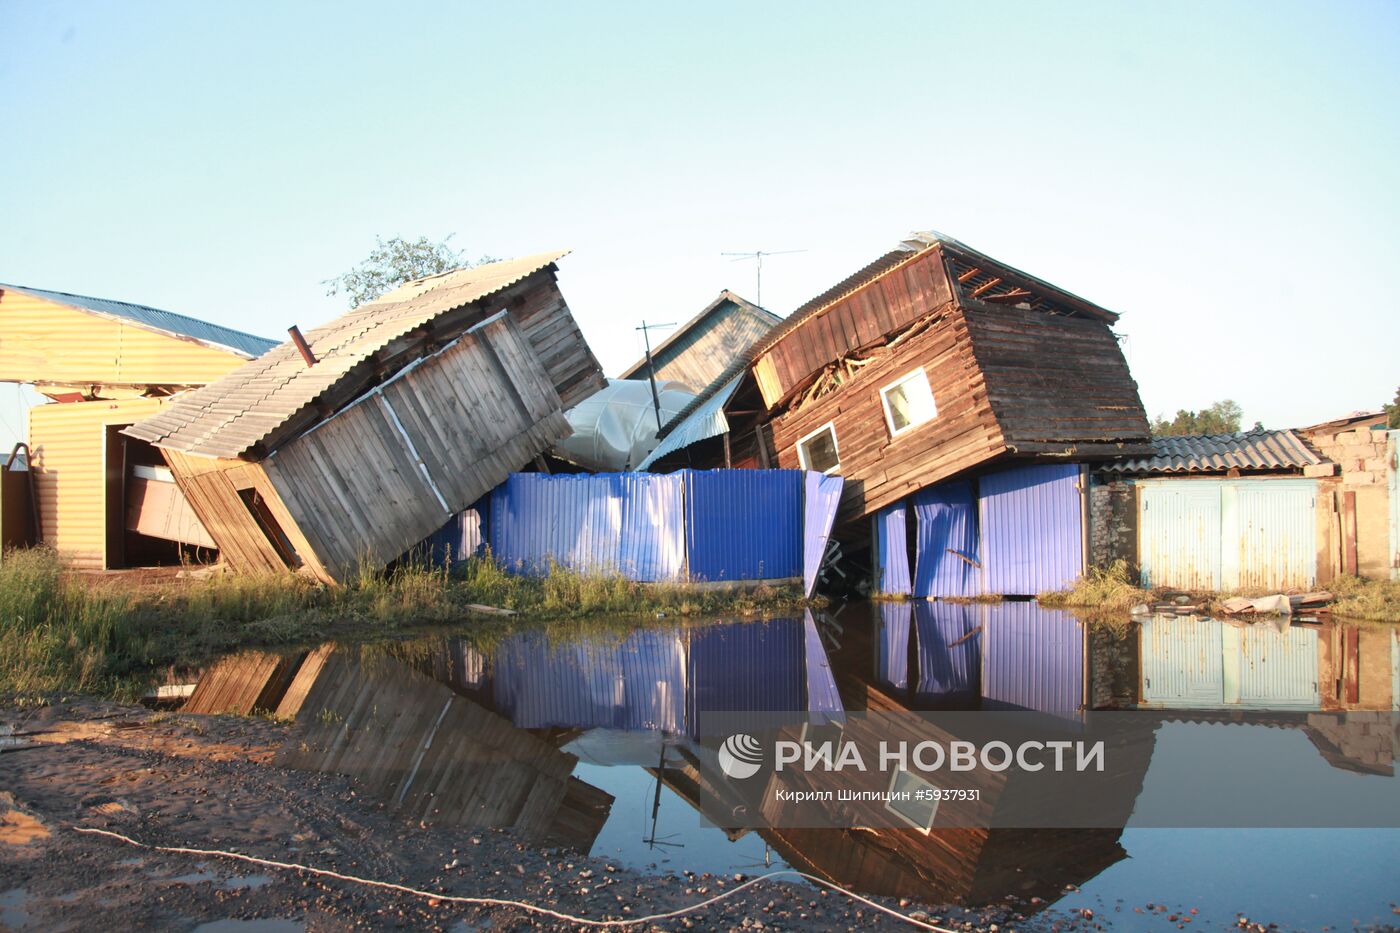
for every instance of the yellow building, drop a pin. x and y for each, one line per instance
(104, 500)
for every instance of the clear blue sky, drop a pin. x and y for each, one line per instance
(1224, 175)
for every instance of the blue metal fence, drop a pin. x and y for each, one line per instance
(1033, 659)
(637, 684)
(891, 531)
(949, 652)
(1032, 529)
(946, 562)
(743, 524)
(820, 498)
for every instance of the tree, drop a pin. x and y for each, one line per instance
(1392, 412)
(393, 262)
(1221, 418)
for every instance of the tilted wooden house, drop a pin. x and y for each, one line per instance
(928, 363)
(703, 348)
(402, 413)
(104, 500)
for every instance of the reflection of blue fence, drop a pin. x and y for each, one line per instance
(717, 525)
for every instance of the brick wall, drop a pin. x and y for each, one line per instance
(1360, 466)
(1360, 455)
(1112, 522)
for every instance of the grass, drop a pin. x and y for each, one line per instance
(1112, 590)
(60, 632)
(1109, 589)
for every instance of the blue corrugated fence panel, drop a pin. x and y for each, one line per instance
(891, 547)
(949, 651)
(653, 526)
(464, 536)
(1032, 659)
(748, 666)
(743, 524)
(575, 520)
(1032, 529)
(822, 494)
(631, 523)
(637, 685)
(892, 643)
(822, 694)
(946, 548)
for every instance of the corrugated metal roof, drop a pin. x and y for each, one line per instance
(230, 416)
(705, 420)
(165, 322)
(1216, 453)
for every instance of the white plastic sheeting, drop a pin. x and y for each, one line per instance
(615, 428)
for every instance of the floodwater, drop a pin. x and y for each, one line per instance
(588, 744)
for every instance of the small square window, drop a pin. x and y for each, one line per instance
(908, 402)
(921, 806)
(817, 451)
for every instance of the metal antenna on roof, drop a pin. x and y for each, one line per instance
(651, 369)
(757, 256)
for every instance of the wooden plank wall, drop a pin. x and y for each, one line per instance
(890, 303)
(212, 486)
(549, 326)
(474, 412)
(1054, 380)
(878, 469)
(698, 356)
(439, 757)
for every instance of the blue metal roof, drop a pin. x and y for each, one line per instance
(164, 321)
(706, 420)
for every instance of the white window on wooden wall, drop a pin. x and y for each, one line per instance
(908, 402)
(818, 451)
(913, 800)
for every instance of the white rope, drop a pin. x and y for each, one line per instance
(505, 902)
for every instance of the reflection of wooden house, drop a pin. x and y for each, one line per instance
(396, 417)
(105, 500)
(966, 864)
(701, 349)
(428, 753)
(930, 362)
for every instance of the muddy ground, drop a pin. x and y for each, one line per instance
(208, 782)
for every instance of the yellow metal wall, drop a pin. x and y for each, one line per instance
(68, 443)
(45, 342)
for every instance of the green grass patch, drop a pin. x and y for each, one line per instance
(61, 632)
(1372, 600)
(1109, 589)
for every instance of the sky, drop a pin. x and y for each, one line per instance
(1226, 176)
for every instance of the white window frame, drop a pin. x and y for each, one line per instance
(835, 445)
(889, 803)
(885, 402)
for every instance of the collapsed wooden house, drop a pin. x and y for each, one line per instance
(699, 351)
(347, 451)
(103, 500)
(932, 361)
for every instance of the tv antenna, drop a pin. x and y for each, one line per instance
(651, 368)
(757, 257)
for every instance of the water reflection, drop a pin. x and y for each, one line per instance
(546, 737)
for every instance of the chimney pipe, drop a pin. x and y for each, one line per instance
(302, 346)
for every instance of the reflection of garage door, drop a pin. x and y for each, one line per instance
(1277, 670)
(1192, 663)
(1181, 663)
(1227, 534)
